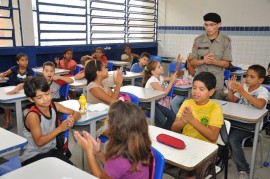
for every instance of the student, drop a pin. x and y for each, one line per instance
(16, 75)
(67, 62)
(98, 89)
(139, 67)
(251, 94)
(55, 81)
(128, 151)
(40, 128)
(188, 73)
(84, 60)
(128, 56)
(99, 55)
(200, 117)
(152, 78)
(267, 78)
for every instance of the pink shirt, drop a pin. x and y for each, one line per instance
(71, 65)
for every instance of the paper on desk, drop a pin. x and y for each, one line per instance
(97, 107)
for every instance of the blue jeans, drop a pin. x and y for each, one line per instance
(164, 117)
(236, 136)
(176, 103)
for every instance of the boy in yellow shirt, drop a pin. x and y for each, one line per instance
(200, 117)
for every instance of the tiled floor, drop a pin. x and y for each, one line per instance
(260, 173)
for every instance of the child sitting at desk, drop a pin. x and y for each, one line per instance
(17, 75)
(40, 127)
(153, 79)
(98, 89)
(84, 60)
(139, 67)
(128, 56)
(99, 55)
(55, 81)
(128, 151)
(200, 117)
(252, 94)
(67, 62)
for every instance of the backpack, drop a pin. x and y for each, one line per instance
(61, 138)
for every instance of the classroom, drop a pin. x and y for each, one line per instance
(101, 61)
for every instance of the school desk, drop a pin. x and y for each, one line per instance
(58, 71)
(17, 99)
(145, 95)
(49, 168)
(3, 80)
(184, 88)
(245, 114)
(119, 63)
(129, 76)
(10, 142)
(190, 158)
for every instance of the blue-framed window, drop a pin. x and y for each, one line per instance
(10, 30)
(79, 22)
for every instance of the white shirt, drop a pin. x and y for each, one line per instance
(125, 56)
(154, 79)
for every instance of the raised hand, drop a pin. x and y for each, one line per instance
(231, 81)
(187, 114)
(56, 60)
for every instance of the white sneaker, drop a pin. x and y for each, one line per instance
(243, 175)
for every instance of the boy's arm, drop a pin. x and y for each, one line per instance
(75, 115)
(230, 96)
(16, 89)
(79, 76)
(178, 124)
(33, 123)
(63, 78)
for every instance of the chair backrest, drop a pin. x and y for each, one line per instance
(238, 68)
(171, 91)
(35, 73)
(224, 133)
(158, 164)
(64, 90)
(172, 67)
(12, 163)
(110, 66)
(134, 98)
(77, 70)
(227, 74)
(153, 57)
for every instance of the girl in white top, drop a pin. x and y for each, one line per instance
(98, 89)
(152, 78)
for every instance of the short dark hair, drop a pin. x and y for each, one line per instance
(207, 78)
(260, 70)
(127, 45)
(145, 54)
(68, 49)
(32, 84)
(48, 63)
(99, 48)
(20, 55)
(91, 70)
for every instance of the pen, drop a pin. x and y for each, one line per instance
(223, 104)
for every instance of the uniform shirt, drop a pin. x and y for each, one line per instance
(153, 80)
(209, 114)
(125, 56)
(136, 68)
(16, 77)
(103, 58)
(91, 98)
(71, 65)
(260, 92)
(221, 47)
(120, 168)
(55, 88)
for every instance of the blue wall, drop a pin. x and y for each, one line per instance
(38, 55)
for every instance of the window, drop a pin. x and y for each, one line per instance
(10, 32)
(74, 22)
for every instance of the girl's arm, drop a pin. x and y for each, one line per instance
(75, 114)
(156, 86)
(16, 90)
(106, 98)
(6, 73)
(33, 123)
(135, 55)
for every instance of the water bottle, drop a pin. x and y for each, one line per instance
(82, 102)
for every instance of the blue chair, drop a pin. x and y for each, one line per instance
(35, 73)
(152, 57)
(13, 163)
(134, 99)
(159, 164)
(173, 65)
(64, 117)
(227, 74)
(64, 90)
(110, 66)
(238, 68)
(77, 70)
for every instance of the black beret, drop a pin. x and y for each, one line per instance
(214, 17)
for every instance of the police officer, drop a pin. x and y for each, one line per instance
(211, 52)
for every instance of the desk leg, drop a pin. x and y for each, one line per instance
(18, 106)
(152, 112)
(133, 81)
(254, 148)
(93, 129)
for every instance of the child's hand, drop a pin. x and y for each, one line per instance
(96, 144)
(14, 91)
(231, 81)
(179, 59)
(118, 77)
(187, 114)
(209, 59)
(2, 75)
(55, 77)
(238, 87)
(65, 125)
(56, 60)
(174, 77)
(85, 144)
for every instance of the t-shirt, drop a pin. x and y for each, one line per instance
(136, 68)
(154, 79)
(71, 65)
(103, 58)
(55, 88)
(209, 114)
(120, 168)
(91, 98)
(125, 56)
(260, 92)
(16, 77)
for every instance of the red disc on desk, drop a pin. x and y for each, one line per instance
(171, 141)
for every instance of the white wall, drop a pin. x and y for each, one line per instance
(247, 48)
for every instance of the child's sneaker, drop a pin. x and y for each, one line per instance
(243, 175)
